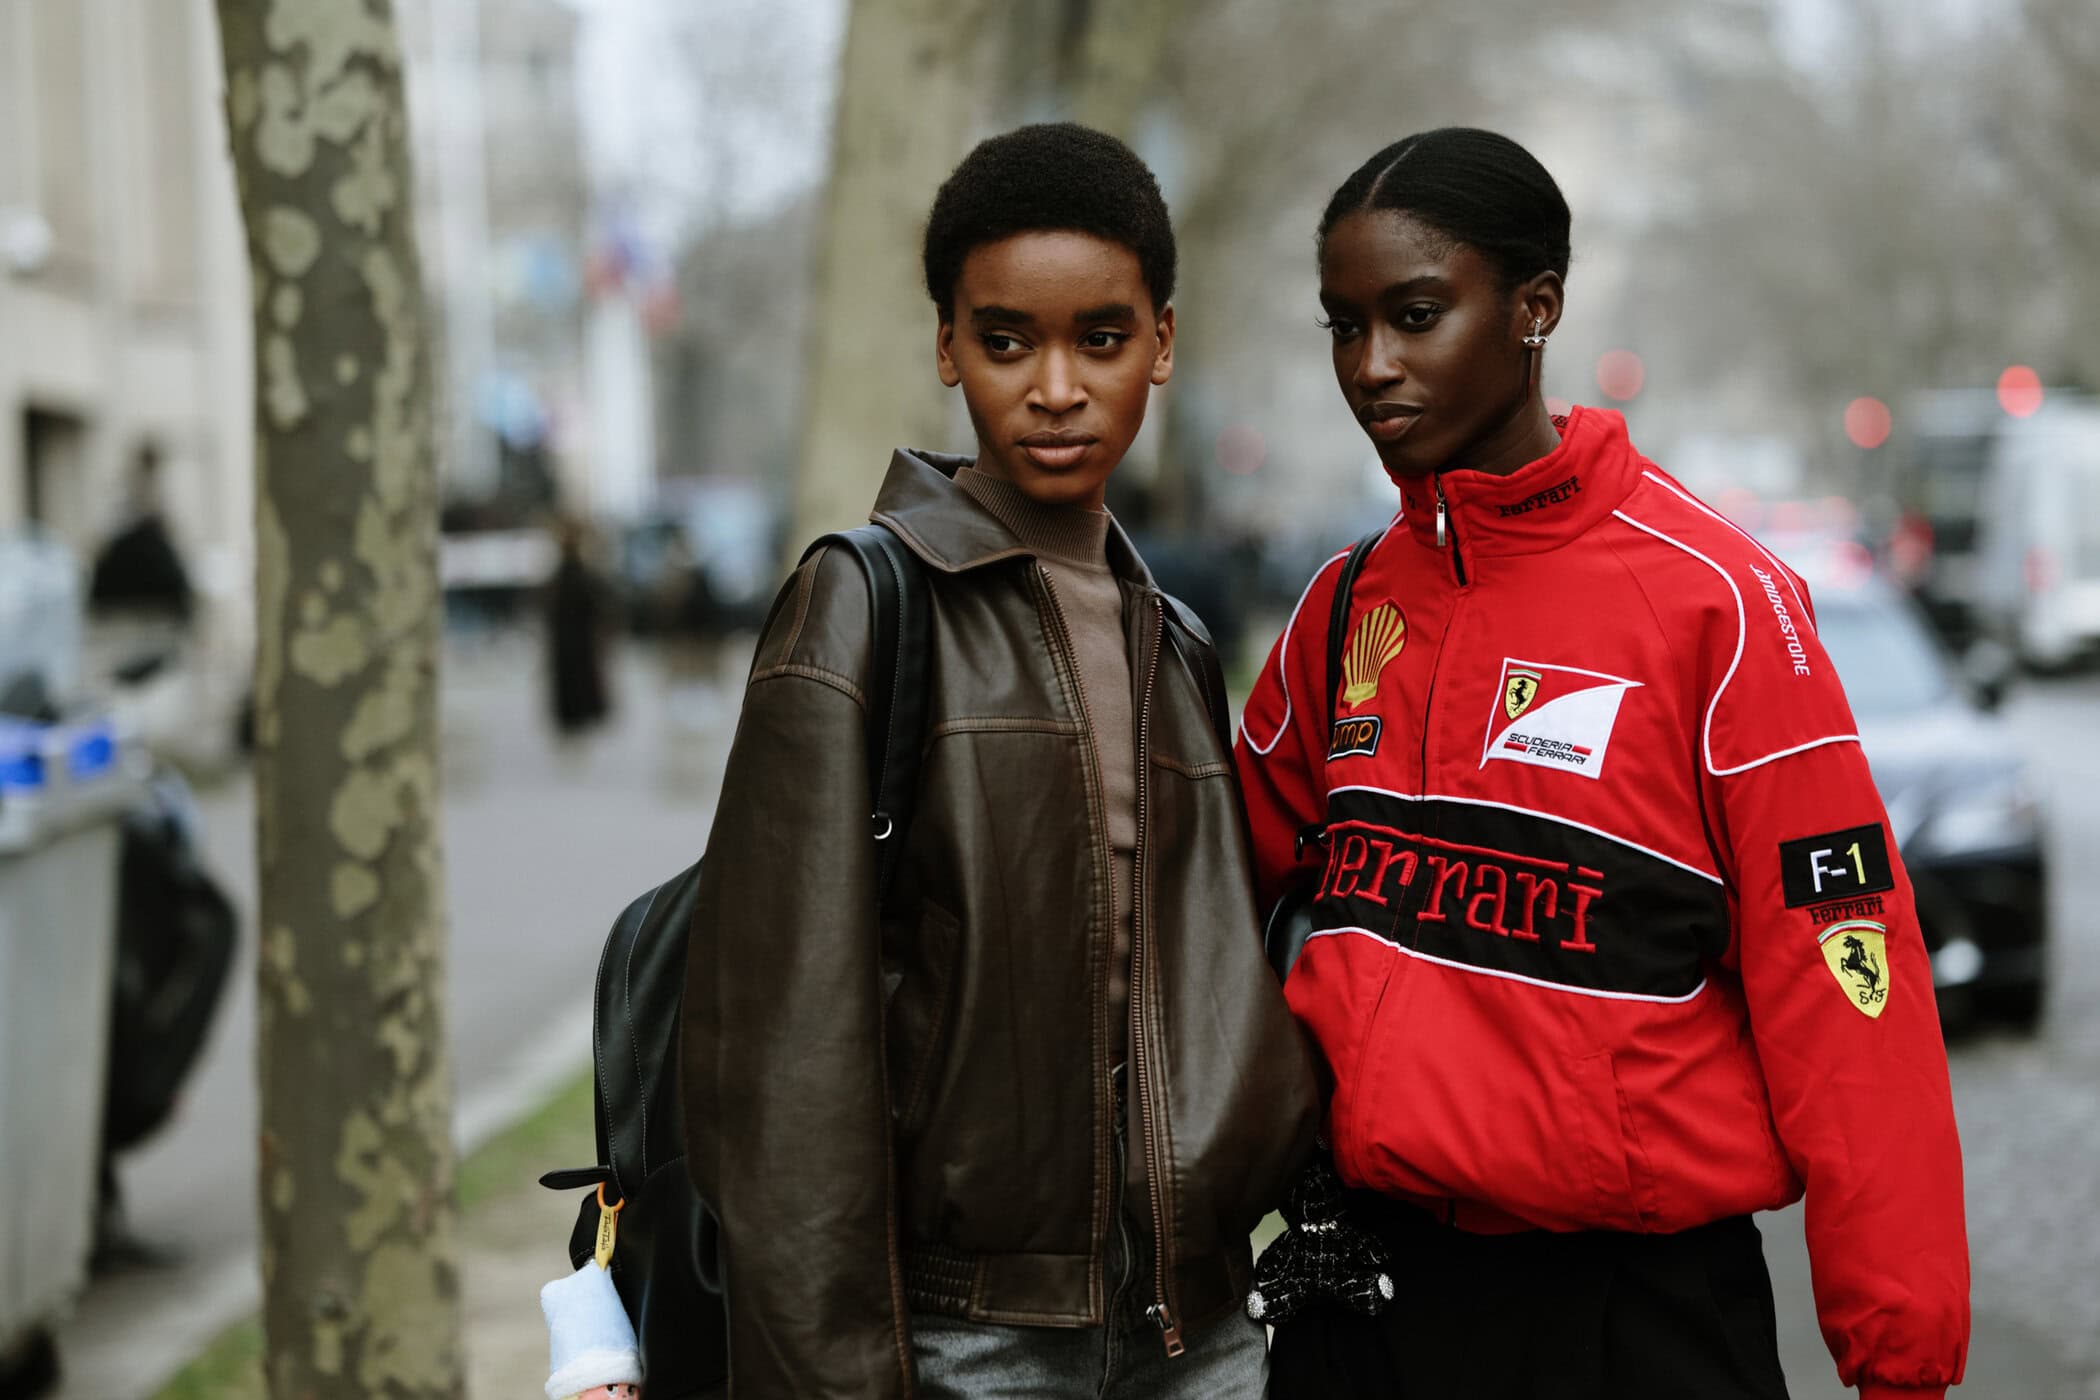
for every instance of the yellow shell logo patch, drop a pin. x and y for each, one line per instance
(1856, 952)
(1379, 636)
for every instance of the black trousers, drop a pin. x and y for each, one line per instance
(1544, 1316)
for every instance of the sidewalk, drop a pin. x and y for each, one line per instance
(515, 1240)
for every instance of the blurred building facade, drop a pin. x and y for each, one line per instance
(123, 278)
(124, 315)
(502, 215)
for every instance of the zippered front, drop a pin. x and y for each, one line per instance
(1162, 1311)
(1103, 1092)
(1349, 1136)
(1447, 532)
(1446, 538)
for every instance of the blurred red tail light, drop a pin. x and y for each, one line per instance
(2041, 570)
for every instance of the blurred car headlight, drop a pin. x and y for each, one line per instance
(1988, 817)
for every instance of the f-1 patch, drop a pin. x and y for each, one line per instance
(1355, 736)
(1857, 954)
(1838, 865)
(1557, 717)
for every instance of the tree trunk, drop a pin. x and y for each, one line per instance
(356, 1171)
(906, 114)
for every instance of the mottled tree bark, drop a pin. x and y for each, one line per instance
(356, 1166)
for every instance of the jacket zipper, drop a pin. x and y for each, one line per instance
(1446, 538)
(1093, 759)
(1447, 533)
(1162, 1310)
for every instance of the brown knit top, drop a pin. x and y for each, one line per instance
(1071, 543)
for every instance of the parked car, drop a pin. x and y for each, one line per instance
(1962, 810)
(1943, 439)
(2038, 551)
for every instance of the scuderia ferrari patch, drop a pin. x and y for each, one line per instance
(1857, 954)
(1554, 716)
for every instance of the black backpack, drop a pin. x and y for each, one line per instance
(665, 1264)
(1290, 923)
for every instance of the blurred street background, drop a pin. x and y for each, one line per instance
(1836, 260)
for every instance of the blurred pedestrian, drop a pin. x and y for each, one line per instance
(141, 604)
(578, 624)
(1009, 1135)
(1612, 945)
(139, 570)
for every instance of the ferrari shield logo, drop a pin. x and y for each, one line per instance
(1856, 951)
(1519, 691)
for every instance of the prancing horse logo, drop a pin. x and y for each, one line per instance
(1522, 689)
(1856, 951)
(1861, 964)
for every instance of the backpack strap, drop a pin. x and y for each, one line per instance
(1337, 639)
(901, 653)
(1290, 923)
(1338, 617)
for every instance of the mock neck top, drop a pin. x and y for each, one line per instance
(1542, 504)
(1068, 534)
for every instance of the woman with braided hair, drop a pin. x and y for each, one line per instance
(1611, 945)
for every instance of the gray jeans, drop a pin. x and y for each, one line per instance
(1123, 1359)
(1120, 1361)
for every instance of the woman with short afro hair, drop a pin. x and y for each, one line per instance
(1007, 1131)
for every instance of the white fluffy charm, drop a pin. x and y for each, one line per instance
(592, 1351)
(591, 1342)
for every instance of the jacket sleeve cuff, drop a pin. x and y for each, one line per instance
(1872, 1390)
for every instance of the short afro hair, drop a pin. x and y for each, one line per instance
(1055, 176)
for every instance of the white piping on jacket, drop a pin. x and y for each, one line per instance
(1706, 729)
(1283, 662)
(1784, 572)
(1283, 652)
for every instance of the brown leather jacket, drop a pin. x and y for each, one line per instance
(916, 1113)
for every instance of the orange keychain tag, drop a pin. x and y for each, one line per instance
(608, 1228)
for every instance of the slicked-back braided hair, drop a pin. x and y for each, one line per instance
(1478, 187)
(1052, 177)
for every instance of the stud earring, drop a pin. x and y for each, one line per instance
(1537, 339)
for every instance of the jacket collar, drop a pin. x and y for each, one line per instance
(949, 531)
(1542, 504)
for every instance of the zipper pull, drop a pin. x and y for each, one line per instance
(1442, 529)
(608, 1229)
(1169, 1330)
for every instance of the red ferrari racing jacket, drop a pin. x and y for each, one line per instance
(1611, 932)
